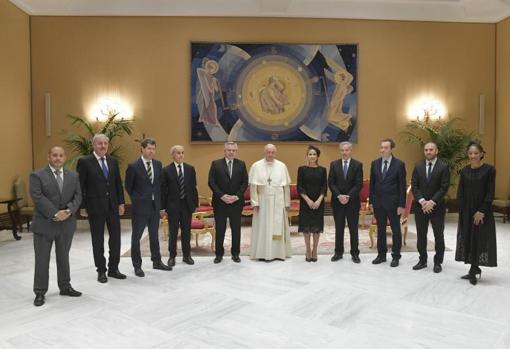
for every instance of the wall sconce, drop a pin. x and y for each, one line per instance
(427, 109)
(108, 106)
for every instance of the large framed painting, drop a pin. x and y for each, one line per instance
(273, 92)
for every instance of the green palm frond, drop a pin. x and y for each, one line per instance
(451, 141)
(80, 145)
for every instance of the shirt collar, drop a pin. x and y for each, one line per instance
(433, 161)
(227, 160)
(144, 160)
(54, 169)
(388, 159)
(98, 157)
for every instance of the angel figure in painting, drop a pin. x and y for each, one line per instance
(343, 87)
(209, 86)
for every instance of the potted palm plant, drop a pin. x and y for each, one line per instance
(450, 139)
(113, 127)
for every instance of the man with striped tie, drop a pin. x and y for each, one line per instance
(144, 187)
(179, 199)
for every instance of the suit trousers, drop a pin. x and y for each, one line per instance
(233, 213)
(180, 217)
(42, 249)
(340, 214)
(138, 225)
(97, 224)
(382, 215)
(422, 226)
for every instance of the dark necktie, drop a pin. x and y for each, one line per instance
(182, 194)
(104, 168)
(230, 168)
(60, 182)
(385, 169)
(429, 170)
(346, 166)
(149, 171)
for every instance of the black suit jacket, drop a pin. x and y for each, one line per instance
(351, 185)
(170, 187)
(221, 184)
(141, 189)
(390, 192)
(100, 194)
(433, 189)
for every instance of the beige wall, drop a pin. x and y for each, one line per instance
(503, 108)
(146, 61)
(15, 121)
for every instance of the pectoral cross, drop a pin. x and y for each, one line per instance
(269, 181)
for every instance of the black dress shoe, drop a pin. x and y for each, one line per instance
(188, 260)
(420, 265)
(218, 259)
(236, 258)
(379, 260)
(39, 300)
(71, 292)
(171, 262)
(101, 277)
(394, 263)
(356, 259)
(336, 257)
(437, 268)
(116, 274)
(160, 266)
(139, 272)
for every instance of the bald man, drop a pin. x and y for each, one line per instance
(56, 194)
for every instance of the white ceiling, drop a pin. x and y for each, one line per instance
(487, 11)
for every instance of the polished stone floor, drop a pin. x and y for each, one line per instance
(289, 304)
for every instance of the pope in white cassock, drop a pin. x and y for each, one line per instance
(270, 197)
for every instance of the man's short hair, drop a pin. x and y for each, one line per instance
(226, 144)
(349, 144)
(148, 141)
(392, 142)
(175, 147)
(99, 135)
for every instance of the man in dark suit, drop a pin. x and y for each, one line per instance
(179, 199)
(57, 196)
(430, 183)
(388, 199)
(143, 185)
(345, 181)
(228, 179)
(103, 203)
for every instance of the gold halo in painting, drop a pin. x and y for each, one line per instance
(273, 93)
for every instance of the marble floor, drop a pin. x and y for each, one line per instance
(289, 304)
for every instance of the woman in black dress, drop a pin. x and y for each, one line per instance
(312, 187)
(476, 233)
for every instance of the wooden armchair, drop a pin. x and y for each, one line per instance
(205, 207)
(364, 197)
(294, 203)
(198, 226)
(403, 220)
(23, 206)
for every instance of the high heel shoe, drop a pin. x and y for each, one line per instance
(308, 259)
(314, 259)
(473, 275)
